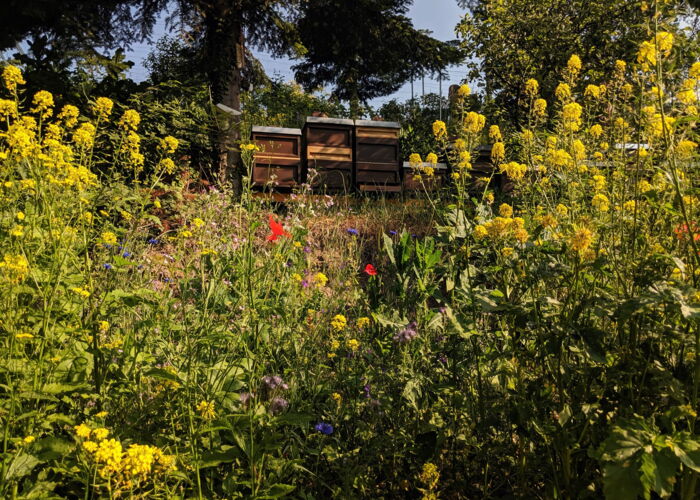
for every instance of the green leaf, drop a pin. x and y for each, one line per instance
(214, 458)
(412, 392)
(52, 448)
(278, 490)
(621, 482)
(22, 465)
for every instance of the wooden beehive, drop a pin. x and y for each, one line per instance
(329, 153)
(278, 163)
(411, 183)
(377, 160)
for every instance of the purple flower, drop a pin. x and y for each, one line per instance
(152, 241)
(407, 334)
(278, 405)
(107, 266)
(307, 249)
(442, 359)
(305, 283)
(367, 389)
(392, 232)
(323, 428)
(352, 231)
(126, 254)
(274, 381)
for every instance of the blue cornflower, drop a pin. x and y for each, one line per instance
(324, 428)
(126, 254)
(392, 232)
(152, 241)
(353, 231)
(107, 266)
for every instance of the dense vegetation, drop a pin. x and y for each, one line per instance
(161, 338)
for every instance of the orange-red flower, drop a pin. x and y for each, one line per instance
(277, 230)
(370, 270)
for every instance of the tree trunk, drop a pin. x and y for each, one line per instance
(225, 60)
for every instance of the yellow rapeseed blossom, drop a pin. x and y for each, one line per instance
(664, 42)
(103, 108)
(464, 90)
(563, 91)
(474, 122)
(581, 239)
(320, 279)
(84, 136)
(573, 66)
(206, 409)
(28, 439)
(8, 109)
(578, 150)
(505, 210)
(571, 116)
(514, 170)
(339, 322)
(431, 158)
(43, 104)
(82, 431)
(429, 476)
(601, 202)
(480, 232)
(532, 88)
(14, 267)
(12, 76)
(168, 144)
(498, 152)
(592, 91)
(495, 133)
(167, 165)
(694, 71)
(415, 160)
(362, 322)
(337, 397)
(539, 108)
(596, 131)
(109, 238)
(352, 344)
(109, 454)
(620, 66)
(130, 120)
(69, 115)
(599, 182)
(686, 149)
(562, 210)
(99, 433)
(439, 129)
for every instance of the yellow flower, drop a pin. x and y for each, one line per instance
(339, 322)
(686, 149)
(592, 91)
(337, 397)
(16, 267)
(8, 108)
(429, 476)
(84, 135)
(109, 453)
(362, 322)
(69, 114)
(527, 135)
(495, 133)
(352, 344)
(90, 446)
(206, 409)
(103, 107)
(514, 170)
(197, 222)
(694, 71)
(169, 144)
(581, 239)
(28, 439)
(101, 414)
(12, 76)
(109, 238)
(455, 176)
(498, 152)
(507, 252)
(664, 41)
(130, 120)
(335, 345)
(646, 55)
(82, 431)
(505, 210)
(599, 182)
(80, 291)
(463, 90)
(578, 150)
(596, 131)
(571, 116)
(439, 129)
(532, 87)
(103, 326)
(474, 122)
(574, 65)
(431, 158)
(414, 160)
(428, 171)
(562, 210)
(601, 202)
(521, 235)
(100, 433)
(21, 336)
(480, 232)
(563, 91)
(43, 103)
(539, 107)
(620, 66)
(320, 279)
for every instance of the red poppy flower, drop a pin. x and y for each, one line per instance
(277, 230)
(370, 270)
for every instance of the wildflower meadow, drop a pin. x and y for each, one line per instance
(164, 337)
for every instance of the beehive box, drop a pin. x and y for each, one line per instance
(377, 160)
(278, 163)
(411, 182)
(329, 152)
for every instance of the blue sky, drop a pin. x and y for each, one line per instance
(438, 16)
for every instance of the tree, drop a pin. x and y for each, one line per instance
(365, 48)
(514, 40)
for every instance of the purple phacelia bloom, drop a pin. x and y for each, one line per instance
(352, 231)
(407, 334)
(107, 266)
(367, 390)
(305, 283)
(324, 428)
(278, 405)
(274, 381)
(307, 249)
